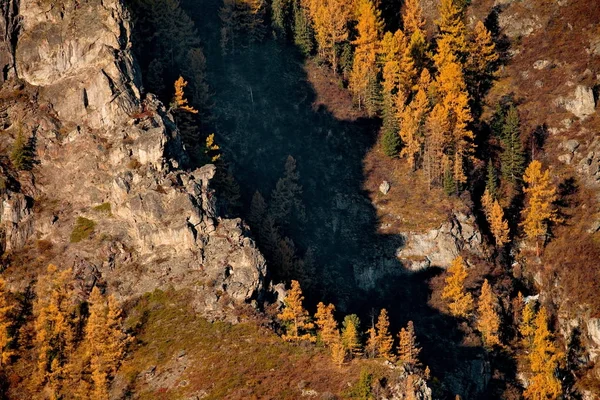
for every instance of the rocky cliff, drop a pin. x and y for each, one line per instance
(109, 195)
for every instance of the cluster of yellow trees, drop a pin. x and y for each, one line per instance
(347, 343)
(75, 352)
(423, 93)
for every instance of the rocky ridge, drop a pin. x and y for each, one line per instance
(111, 160)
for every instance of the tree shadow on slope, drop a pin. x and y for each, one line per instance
(264, 112)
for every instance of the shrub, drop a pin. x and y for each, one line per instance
(104, 208)
(21, 155)
(82, 230)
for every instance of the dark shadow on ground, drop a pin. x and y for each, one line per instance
(263, 112)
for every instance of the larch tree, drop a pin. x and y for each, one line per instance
(488, 320)
(363, 78)
(351, 334)
(105, 341)
(452, 27)
(453, 93)
(6, 323)
(482, 58)
(408, 349)
(436, 141)
(527, 323)
(412, 129)
(328, 327)
(412, 18)
(499, 225)
(179, 101)
(459, 301)
(372, 345)
(338, 351)
(544, 358)
(295, 317)
(487, 204)
(385, 341)
(539, 210)
(330, 20)
(54, 312)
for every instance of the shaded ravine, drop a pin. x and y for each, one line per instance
(263, 111)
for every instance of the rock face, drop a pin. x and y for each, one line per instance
(440, 246)
(109, 157)
(61, 42)
(581, 103)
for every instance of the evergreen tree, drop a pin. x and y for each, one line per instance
(304, 36)
(21, 155)
(408, 350)
(539, 210)
(351, 334)
(286, 199)
(328, 329)
(295, 317)
(513, 156)
(195, 69)
(488, 320)
(258, 210)
(460, 302)
(384, 339)
(281, 15)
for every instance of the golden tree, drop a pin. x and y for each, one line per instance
(104, 342)
(338, 351)
(412, 18)
(488, 320)
(436, 140)
(482, 54)
(498, 225)
(487, 204)
(384, 339)
(328, 328)
(460, 302)
(54, 328)
(295, 317)
(330, 19)
(363, 77)
(452, 26)
(412, 130)
(527, 325)
(408, 350)
(544, 359)
(539, 211)
(179, 101)
(351, 334)
(398, 72)
(372, 345)
(5, 323)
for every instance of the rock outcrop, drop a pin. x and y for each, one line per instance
(112, 162)
(438, 247)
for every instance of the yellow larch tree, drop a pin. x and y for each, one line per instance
(452, 92)
(482, 54)
(539, 210)
(412, 130)
(338, 352)
(527, 324)
(398, 72)
(487, 204)
(384, 339)
(499, 225)
(488, 320)
(54, 312)
(412, 18)
(104, 342)
(371, 347)
(6, 309)
(460, 302)
(436, 141)
(544, 359)
(452, 27)
(363, 78)
(295, 317)
(351, 335)
(408, 349)
(328, 327)
(330, 20)
(179, 101)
